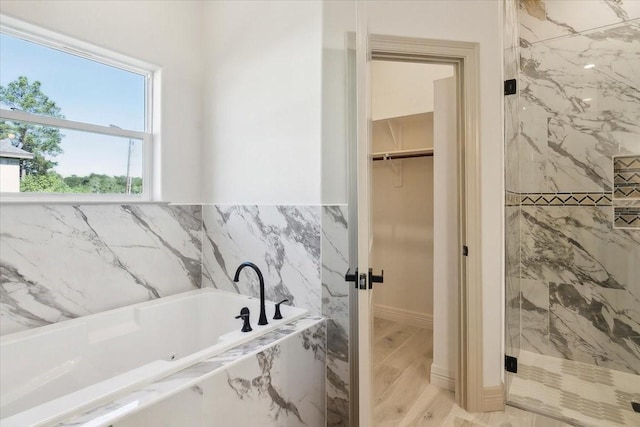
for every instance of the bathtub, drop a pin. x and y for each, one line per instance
(50, 372)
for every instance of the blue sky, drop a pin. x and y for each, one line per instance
(86, 91)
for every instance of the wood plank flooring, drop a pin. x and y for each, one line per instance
(403, 396)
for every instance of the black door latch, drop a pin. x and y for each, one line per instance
(351, 277)
(375, 279)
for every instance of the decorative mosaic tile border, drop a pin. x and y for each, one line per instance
(511, 199)
(565, 199)
(626, 177)
(626, 217)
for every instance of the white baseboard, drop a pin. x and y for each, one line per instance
(442, 378)
(493, 398)
(400, 315)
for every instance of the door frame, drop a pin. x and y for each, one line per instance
(465, 57)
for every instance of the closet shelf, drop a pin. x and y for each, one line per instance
(403, 154)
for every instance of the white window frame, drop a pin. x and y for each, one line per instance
(19, 29)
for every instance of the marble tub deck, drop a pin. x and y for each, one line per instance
(579, 393)
(150, 394)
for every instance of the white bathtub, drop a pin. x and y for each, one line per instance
(50, 372)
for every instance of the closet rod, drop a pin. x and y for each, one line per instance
(377, 157)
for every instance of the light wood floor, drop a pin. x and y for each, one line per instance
(403, 396)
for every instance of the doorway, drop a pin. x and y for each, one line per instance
(403, 128)
(462, 296)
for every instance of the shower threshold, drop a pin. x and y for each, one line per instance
(576, 393)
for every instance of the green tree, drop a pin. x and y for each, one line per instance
(46, 183)
(39, 140)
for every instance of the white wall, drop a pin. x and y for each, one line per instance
(403, 88)
(166, 34)
(262, 108)
(471, 21)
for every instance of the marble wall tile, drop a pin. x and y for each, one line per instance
(283, 385)
(335, 306)
(512, 280)
(595, 325)
(594, 283)
(283, 241)
(572, 119)
(535, 316)
(303, 254)
(546, 19)
(62, 261)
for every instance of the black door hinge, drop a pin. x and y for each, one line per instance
(465, 251)
(510, 87)
(511, 364)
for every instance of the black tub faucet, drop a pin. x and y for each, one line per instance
(263, 317)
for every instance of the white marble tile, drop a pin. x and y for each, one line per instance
(512, 280)
(594, 311)
(335, 306)
(573, 120)
(535, 315)
(283, 385)
(182, 409)
(62, 261)
(283, 241)
(542, 20)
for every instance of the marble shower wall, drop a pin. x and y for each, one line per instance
(62, 261)
(578, 108)
(302, 253)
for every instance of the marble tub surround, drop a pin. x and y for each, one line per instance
(302, 252)
(64, 261)
(275, 379)
(283, 241)
(335, 306)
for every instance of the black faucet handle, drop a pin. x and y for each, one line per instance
(244, 315)
(278, 315)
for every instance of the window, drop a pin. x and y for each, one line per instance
(75, 121)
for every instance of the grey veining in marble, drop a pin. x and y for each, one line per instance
(62, 261)
(282, 385)
(548, 19)
(593, 280)
(283, 241)
(335, 306)
(578, 108)
(574, 120)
